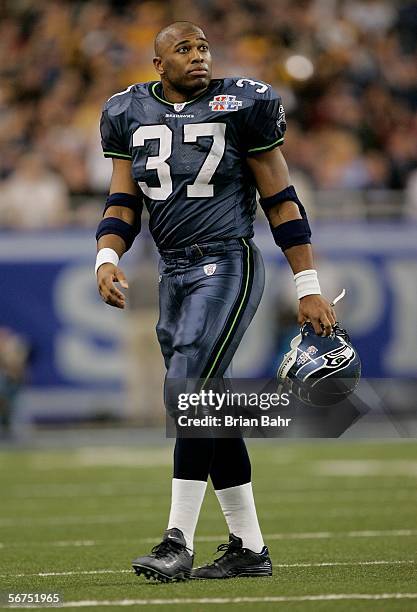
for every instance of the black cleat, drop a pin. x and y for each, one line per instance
(236, 562)
(169, 561)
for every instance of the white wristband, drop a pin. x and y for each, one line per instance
(106, 255)
(307, 283)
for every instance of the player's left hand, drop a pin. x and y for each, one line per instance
(316, 309)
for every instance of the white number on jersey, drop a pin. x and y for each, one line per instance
(156, 162)
(192, 131)
(263, 87)
(201, 188)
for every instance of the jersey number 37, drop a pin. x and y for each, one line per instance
(200, 188)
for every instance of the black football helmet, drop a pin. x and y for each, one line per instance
(321, 370)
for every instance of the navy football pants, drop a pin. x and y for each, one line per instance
(208, 295)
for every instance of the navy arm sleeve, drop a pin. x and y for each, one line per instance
(265, 127)
(114, 139)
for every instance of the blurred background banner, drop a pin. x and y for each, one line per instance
(51, 299)
(347, 74)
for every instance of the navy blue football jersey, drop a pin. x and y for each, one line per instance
(189, 159)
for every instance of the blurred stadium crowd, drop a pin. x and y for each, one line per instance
(347, 72)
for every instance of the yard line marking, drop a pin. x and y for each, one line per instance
(229, 600)
(348, 498)
(366, 467)
(51, 491)
(66, 520)
(281, 565)
(319, 535)
(314, 535)
(48, 490)
(58, 543)
(345, 563)
(73, 543)
(72, 573)
(61, 543)
(97, 457)
(211, 515)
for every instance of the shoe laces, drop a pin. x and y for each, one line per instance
(222, 547)
(166, 548)
(228, 547)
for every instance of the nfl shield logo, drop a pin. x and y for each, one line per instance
(179, 107)
(209, 269)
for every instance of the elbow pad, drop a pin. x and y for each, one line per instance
(113, 225)
(124, 199)
(286, 195)
(292, 233)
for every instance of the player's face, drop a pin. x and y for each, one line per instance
(186, 62)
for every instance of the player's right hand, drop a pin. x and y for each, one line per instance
(107, 275)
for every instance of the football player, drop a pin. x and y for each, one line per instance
(194, 150)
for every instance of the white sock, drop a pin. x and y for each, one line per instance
(239, 510)
(186, 500)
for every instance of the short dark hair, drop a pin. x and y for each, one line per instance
(176, 25)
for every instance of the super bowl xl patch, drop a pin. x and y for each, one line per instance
(225, 102)
(306, 355)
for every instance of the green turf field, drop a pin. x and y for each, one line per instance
(340, 520)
